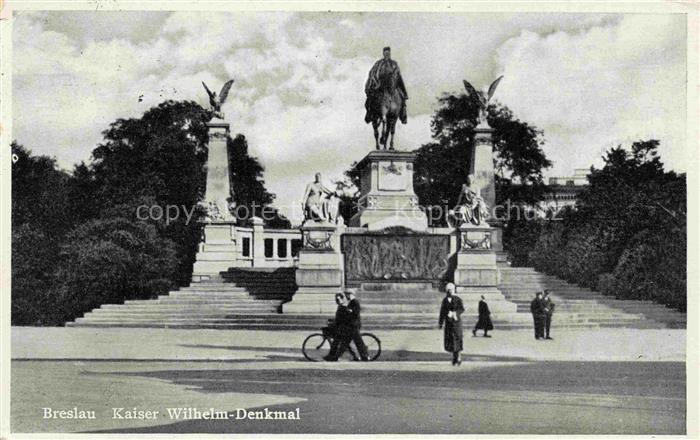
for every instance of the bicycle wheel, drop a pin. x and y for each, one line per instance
(374, 345)
(315, 347)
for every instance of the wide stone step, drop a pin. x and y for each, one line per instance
(314, 325)
(197, 303)
(310, 327)
(516, 288)
(267, 318)
(226, 295)
(395, 286)
(236, 288)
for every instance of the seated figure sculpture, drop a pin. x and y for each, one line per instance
(315, 204)
(470, 208)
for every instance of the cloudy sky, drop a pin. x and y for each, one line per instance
(588, 81)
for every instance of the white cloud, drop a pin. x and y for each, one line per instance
(595, 89)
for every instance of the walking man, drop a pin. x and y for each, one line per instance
(354, 324)
(338, 328)
(538, 315)
(484, 323)
(549, 311)
(450, 315)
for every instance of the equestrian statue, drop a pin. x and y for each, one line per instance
(386, 99)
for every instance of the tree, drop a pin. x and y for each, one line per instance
(39, 223)
(39, 193)
(159, 159)
(627, 235)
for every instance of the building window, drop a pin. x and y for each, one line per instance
(282, 248)
(246, 247)
(268, 247)
(296, 245)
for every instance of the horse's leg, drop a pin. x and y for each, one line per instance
(375, 125)
(384, 126)
(392, 125)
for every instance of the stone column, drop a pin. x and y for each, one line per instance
(482, 163)
(218, 182)
(258, 242)
(217, 251)
(484, 174)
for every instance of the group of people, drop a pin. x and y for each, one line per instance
(542, 308)
(345, 328)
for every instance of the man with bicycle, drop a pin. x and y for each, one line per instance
(348, 329)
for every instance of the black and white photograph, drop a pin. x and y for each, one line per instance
(244, 218)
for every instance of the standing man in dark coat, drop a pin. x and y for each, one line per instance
(538, 315)
(548, 311)
(450, 315)
(354, 325)
(484, 323)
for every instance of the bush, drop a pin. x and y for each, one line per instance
(545, 255)
(109, 261)
(651, 269)
(519, 237)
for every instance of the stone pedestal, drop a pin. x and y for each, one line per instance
(319, 274)
(386, 192)
(476, 273)
(217, 251)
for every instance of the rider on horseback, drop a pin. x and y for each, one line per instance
(386, 68)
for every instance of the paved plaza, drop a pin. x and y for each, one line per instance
(593, 382)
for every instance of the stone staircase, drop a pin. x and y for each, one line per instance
(576, 304)
(244, 298)
(253, 298)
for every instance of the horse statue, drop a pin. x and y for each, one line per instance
(386, 100)
(386, 107)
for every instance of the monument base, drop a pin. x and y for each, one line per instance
(476, 274)
(386, 192)
(217, 252)
(319, 273)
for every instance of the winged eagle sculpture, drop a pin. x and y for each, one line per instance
(483, 98)
(217, 101)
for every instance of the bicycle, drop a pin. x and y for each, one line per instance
(317, 345)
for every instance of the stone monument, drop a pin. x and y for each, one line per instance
(218, 247)
(476, 273)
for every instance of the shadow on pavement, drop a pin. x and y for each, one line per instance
(588, 397)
